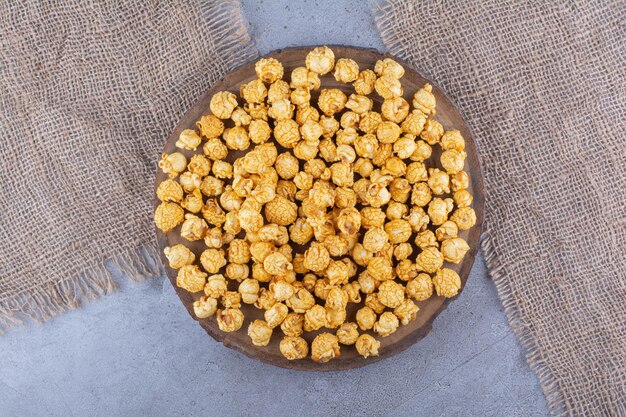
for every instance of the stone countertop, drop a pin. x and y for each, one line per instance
(137, 352)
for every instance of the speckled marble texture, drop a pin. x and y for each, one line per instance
(136, 352)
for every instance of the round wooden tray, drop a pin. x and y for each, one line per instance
(405, 336)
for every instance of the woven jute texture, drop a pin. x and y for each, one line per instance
(543, 86)
(89, 92)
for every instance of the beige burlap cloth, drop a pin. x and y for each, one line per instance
(89, 92)
(543, 86)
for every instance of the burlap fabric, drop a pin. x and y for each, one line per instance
(89, 92)
(543, 86)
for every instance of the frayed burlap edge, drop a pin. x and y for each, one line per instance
(383, 17)
(39, 304)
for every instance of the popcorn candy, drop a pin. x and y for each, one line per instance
(325, 347)
(294, 348)
(365, 188)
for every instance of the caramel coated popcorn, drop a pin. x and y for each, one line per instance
(329, 209)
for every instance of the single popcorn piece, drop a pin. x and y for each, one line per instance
(222, 104)
(447, 283)
(423, 151)
(416, 172)
(414, 123)
(276, 314)
(300, 96)
(325, 347)
(281, 211)
(366, 146)
(429, 260)
(316, 258)
(320, 60)
(281, 109)
(168, 215)
(370, 121)
(306, 113)
(216, 286)
(193, 202)
(346, 70)
(447, 230)
(337, 299)
(231, 299)
(389, 67)
(374, 303)
(452, 140)
(459, 181)
(399, 231)
(337, 272)
(438, 181)
(279, 90)
(212, 260)
(375, 239)
(254, 91)
(199, 165)
(387, 324)
(406, 311)
(301, 301)
(454, 249)
(349, 120)
(241, 117)
(213, 213)
(380, 268)
(294, 347)
(366, 318)
(265, 299)
(402, 251)
(237, 138)
(418, 219)
(188, 139)
(260, 333)
(191, 278)
(205, 307)
(406, 270)
(292, 325)
(259, 131)
(420, 288)
(287, 166)
(438, 210)
(169, 191)
(404, 147)
(193, 227)
(287, 133)
(179, 256)
(388, 87)
(367, 283)
(367, 346)
(222, 169)
(391, 294)
(314, 318)
(277, 264)
(424, 100)
(388, 132)
(173, 164)
(433, 131)
(269, 70)
(331, 101)
(215, 149)
(210, 126)
(452, 161)
(348, 333)
(372, 217)
(237, 272)
(189, 182)
(249, 290)
(311, 131)
(211, 186)
(239, 251)
(364, 84)
(462, 198)
(256, 111)
(335, 317)
(359, 104)
(425, 239)
(464, 217)
(230, 319)
(303, 78)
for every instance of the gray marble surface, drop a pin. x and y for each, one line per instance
(136, 352)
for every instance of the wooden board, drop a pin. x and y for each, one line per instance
(447, 114)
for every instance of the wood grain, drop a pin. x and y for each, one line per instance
(447, 114)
